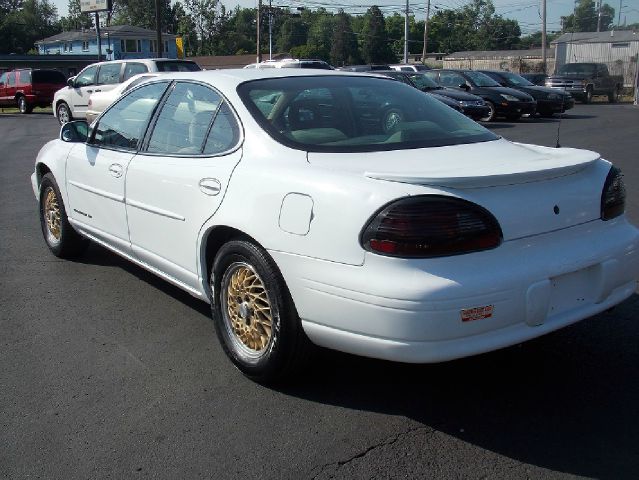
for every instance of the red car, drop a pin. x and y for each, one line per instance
(28, 88)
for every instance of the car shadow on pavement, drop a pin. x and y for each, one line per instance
(97, 255)
(568, 402)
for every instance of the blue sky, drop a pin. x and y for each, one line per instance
(526, 12)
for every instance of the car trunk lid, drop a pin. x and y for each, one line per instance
(530, 189)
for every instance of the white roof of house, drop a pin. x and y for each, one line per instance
(598, 37)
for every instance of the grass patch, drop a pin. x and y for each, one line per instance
(35, 110)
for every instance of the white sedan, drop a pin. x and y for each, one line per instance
(351, 212)
(98, 101)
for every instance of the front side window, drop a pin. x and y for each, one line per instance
(516, 80)
(11, 79)
(355, 114)
(109, 73)
(134, 68)
(185, 120)
(86, 77)
(123, 124)
(481, 79)
(3, 79)
(451, 79)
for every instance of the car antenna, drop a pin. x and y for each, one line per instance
(563, 97)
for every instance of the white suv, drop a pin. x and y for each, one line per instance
(292, 63)
(71, 102)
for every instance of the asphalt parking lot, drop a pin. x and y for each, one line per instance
(109, 372)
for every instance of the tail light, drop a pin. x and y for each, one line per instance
(613, 196)
(431, 226)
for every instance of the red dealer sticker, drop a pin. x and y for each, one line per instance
(477, 313)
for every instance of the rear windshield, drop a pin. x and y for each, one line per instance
(577, 69)
(48, 76)
(173, 66)
(355, 114)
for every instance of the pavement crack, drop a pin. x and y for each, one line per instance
(384, 443)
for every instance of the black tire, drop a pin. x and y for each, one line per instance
(23, 106)
(491, 114)
(589, 94)
(614, 96)
(63, 112)
(59, 235)
(274, 346)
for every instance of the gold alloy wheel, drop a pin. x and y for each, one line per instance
(248, 308)
(52, 214)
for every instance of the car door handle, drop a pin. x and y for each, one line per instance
(116, 170)
(89, 91)
(210, 186)
(97, 90)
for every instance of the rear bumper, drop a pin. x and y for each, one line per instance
(555, 105)
(410, 310)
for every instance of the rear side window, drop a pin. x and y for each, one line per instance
(134, 68)
(25, 77)
(109, 74)
(86, 77)
(225, 132)
(184, 121)
(124, 123)
(48, 76)
(175, 66)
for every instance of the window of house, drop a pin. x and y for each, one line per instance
(154, 46)
(71, 46)
(65, 47)
(131, 46)
(85, 46)
(123, 124)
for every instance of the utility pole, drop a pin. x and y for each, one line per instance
(406, 34)
(599, 16)
(259, 27)
(158, 28)
(543, 35)
(97, 32)
(619, 18)
(426, 32)
(270, 30)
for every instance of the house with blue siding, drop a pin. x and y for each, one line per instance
(119, 42)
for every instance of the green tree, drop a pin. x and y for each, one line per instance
(320, 36)
(585, 17)
(76, 20)
(374, 42)
(344, 47)
(293, 32)
(205, 20)
(24, 22)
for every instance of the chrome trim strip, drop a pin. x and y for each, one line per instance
(97, 191)
(157, 211)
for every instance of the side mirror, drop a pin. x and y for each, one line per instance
(71, 82)
(464, 86)
(75, 132)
